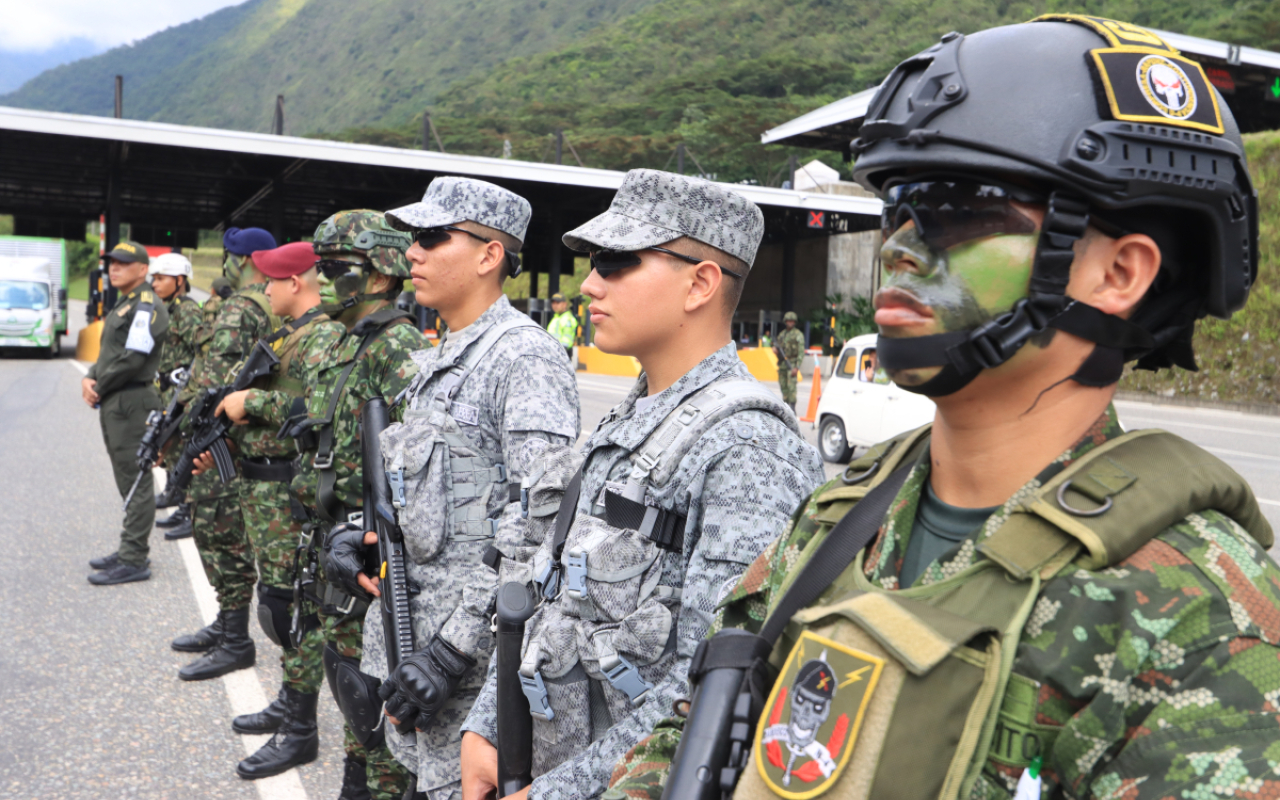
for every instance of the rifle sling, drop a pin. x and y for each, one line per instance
(327, 502)
(853, 532)
(292, 327)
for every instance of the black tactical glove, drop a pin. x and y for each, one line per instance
(423, 682)
(345, 554)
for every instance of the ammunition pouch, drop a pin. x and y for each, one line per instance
(356, 695)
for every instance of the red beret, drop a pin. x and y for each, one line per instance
(286, 261)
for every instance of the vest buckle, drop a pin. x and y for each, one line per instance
(625, 677)
(575, 571)
(535, 691)
(395, 477)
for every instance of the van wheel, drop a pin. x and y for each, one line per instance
(55, 347)
(832, 443)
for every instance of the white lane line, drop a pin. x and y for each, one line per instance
(83, 369)
(1268, 502)
(1224, 451)
(244, 690)
(1179, 424)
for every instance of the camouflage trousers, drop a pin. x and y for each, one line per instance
(220, 539)
(273, 534)
(387, 778)
(787, 383)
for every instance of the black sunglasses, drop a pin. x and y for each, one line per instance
(331, 268)
(428, 238)
(607, 262)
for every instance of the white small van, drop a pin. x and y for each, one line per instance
(29, 299)
(860, 406)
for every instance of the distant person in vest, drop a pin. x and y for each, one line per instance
(679, 488)
(564, 325)
(486, 403)
(121, 386)
(241, 320)
(170, 275)
(1025, 599)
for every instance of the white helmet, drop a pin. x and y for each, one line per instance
(174, 264)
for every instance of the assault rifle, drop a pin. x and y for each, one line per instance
(380, 504)
(161, 426)
(777, 351)
(516, 603)
(209, 429)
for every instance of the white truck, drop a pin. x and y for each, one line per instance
(33, 302)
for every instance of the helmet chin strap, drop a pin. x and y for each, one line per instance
(964, 354)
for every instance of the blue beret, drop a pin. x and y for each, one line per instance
(243, 241)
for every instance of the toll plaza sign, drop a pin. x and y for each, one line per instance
(832, 221)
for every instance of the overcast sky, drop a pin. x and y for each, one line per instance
(37, 25)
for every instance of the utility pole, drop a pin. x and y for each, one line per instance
(559, 147)
(680, 158)
(119, 97)
(793, 164)
(429, 127)
(277, 123)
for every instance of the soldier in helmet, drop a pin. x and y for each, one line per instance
(364, 261)
(790, 350)
(1061, 197)
(170, 276)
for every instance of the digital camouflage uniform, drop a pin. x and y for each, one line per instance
(384, 370)
(791, 343)
(1157, 677)
(125, 385)
(737, 487)
(217, 522)
(265, 505)
(521, 390)
(185, 319)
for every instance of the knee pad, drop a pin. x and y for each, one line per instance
(356, 695)
(273, 613)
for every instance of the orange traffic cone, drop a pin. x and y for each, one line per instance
(815, 394)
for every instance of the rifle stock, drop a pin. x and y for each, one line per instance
(380, 516)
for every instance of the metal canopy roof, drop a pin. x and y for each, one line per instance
(57, 166)
(1243, 74)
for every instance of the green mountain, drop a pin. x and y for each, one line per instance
(339, 64)
(716, 75)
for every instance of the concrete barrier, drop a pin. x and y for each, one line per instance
(596, 362)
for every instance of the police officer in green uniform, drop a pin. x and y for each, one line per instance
(564, 325)
(1021, 599)
(790, 350)
(121, 386)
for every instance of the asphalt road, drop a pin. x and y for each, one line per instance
(90, 699)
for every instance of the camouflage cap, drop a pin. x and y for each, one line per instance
(451, 200)
(364, 233)
(790, 316)
(654, 207)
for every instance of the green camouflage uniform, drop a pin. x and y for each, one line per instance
(216, 519)
(127, 395)
(384, 370)
(791, 343)
(185, 320)
(1158, 677)
(268, 520)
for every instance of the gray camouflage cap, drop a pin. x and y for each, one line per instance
(451, 200)
(653, 207)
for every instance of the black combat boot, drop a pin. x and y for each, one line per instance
(265, 721)
(355, 780)
(183, 530)
(202, 641)
(296, 742)
(234, 651)
(183, 514)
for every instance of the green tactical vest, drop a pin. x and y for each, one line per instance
(286, 348)
(916, 683)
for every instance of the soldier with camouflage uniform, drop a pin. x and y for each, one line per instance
(1114, 589)
(789, 350)
(241, 320)
(365, 263)
(683, 484)
(496, 392)
(170, 275)
(272, 517)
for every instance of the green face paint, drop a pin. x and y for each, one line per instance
(232, 268)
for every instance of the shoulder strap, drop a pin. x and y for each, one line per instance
(853, 532)
(1119, 496)
(660, 454)
(475, 352)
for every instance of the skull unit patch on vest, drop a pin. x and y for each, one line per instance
(810, 724)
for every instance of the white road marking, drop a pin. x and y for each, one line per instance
(83, 369)
(1224, 451)
(1181, 424)
(1268, 502)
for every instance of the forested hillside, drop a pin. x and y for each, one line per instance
(339, 64)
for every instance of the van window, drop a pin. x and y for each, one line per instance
(869, 368)
(848, 366)
(24, 294)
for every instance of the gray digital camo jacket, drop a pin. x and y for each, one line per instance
(522, 389)
(738, 487)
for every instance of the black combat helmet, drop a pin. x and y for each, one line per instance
(1103, 122)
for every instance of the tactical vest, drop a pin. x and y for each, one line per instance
(610, 635)
(926, 672)
(445, 485)
(285, 341)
